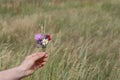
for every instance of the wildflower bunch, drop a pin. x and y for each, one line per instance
(42, 39)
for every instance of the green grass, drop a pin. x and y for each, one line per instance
(85, 38)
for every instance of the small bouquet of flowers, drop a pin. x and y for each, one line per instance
(43, 40)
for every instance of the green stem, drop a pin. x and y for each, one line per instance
(44, 49)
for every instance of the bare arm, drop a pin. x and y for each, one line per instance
(28, 66)
(12, 74)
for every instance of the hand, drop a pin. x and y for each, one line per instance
(33, 62)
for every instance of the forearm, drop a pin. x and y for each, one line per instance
(12, 74)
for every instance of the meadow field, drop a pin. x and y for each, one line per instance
(85, 35)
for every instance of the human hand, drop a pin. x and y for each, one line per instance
(33, 62)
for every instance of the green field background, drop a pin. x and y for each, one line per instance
(85, 35)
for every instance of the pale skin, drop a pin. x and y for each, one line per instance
(31, 63)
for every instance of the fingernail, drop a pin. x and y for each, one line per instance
(43, 53)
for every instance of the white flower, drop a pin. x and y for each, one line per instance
(45, 42)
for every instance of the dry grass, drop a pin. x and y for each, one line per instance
(85, 40)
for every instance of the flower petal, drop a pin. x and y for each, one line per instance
(38, 37)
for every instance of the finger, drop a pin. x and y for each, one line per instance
(39, 62)
(38, 56)
(45, 59)
(46, 55)
(39, 66)
(43, 63)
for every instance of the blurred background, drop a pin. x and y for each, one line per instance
(85, 35)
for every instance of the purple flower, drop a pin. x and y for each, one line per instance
(42, 40)
(38, 37)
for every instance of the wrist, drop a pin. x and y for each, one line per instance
(20, 72)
